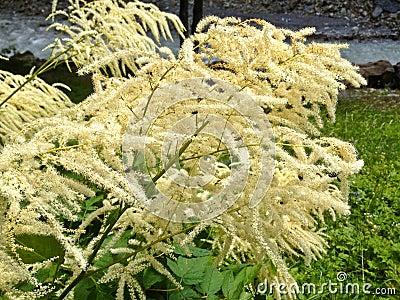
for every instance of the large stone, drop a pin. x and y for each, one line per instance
(377, 11)
(378, 74)
(396, 79)
(388, 5)
(21, 63)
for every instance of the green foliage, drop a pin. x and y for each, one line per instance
(189, 270)
(199, 278)
(233, 284)
(38, 248)
(89, 288)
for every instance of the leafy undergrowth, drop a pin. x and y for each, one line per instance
(365, 245)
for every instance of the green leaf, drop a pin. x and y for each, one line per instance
(113, 216)
(186, 294)
(227, 282)
(151, 277)
(84, 289)
(109, 257)
(47, 274)
(44, 247)
(273, 268)
(212, 297)
(88, 204)
(105, 291)
(212, 281)
(195, 251)
(72, 142)
(247, 275)
(236, 268)
(88, 289)
(232, 287)
(191, 270)
(245, 296)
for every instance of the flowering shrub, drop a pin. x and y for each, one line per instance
(63, 181)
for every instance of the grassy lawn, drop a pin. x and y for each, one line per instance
(365, 245)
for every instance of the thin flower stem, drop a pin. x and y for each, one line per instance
(92, 256)
(182, 149)
(217, 151)
(42, 69)
(155, 88)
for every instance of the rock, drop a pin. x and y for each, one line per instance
(396, 77)
(21, 63)
(377, 11)
(292, 4)
(309, 9)
(378, 74)
(388, 5)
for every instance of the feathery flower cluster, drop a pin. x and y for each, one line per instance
(24, 106)
(55, 164)
(100, 35)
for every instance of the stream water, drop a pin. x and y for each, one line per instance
(19, 33)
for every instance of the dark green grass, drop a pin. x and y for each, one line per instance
(365, 245)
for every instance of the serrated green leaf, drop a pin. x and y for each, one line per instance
(186, 294)
(85, 289)
(236, 268)
(190, 270)
(151, 277)
(195, 251)
(47, 274)
(199, 252)
(88, 204)
(246, 275)
(88, 289)
(179, 250)
(227, 282)
(212, 297)
(108, 257)
(232, 287)
(212, 281)
(245, 296)
(43, 247)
